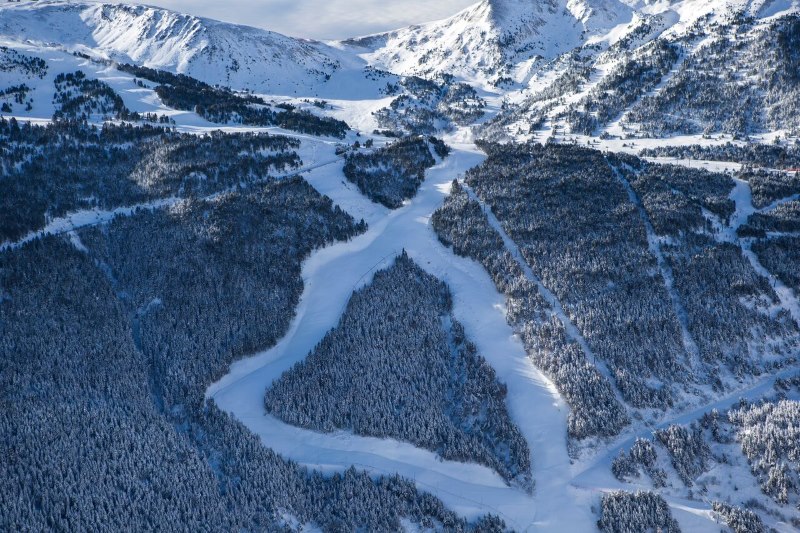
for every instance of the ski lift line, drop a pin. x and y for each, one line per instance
(777, 203)
(755, 390)
(571, 330)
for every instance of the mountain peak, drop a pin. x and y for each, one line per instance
(505, 11)
(594, 14)
(217, 52)
(488, 39)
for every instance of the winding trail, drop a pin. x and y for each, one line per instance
(86, 218)
(330, 275)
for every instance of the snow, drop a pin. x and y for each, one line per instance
(330, 275)
(596, 476)
(654, 245)
(743, 199)
(292, 69)
(773, 8)
(241, 57)
(466, 44)
(600, 15)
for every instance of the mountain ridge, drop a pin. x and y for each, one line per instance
(217, 52)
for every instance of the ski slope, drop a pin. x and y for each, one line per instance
(330, 276)
(564, 493)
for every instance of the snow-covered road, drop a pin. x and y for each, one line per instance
(330, 275)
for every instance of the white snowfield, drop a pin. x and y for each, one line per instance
(330, 276)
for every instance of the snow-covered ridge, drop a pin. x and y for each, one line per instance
(216, 52)
(486, 40)
(495, 42)
(491, 43)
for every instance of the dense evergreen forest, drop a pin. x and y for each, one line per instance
(49, 171)
(393, 173)
(107, 342)
(399, 365)
(625, 512)
(576, 227)
(153, 235)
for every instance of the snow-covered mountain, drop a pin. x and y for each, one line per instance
(493, 42)
(621, 305)
(218, 53)
(499, 41)
(485, 40)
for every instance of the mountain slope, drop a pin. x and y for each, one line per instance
(218, 53)
(688, 68)
(486, 40)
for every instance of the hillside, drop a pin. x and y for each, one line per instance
(218, 53)
(531, 267)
